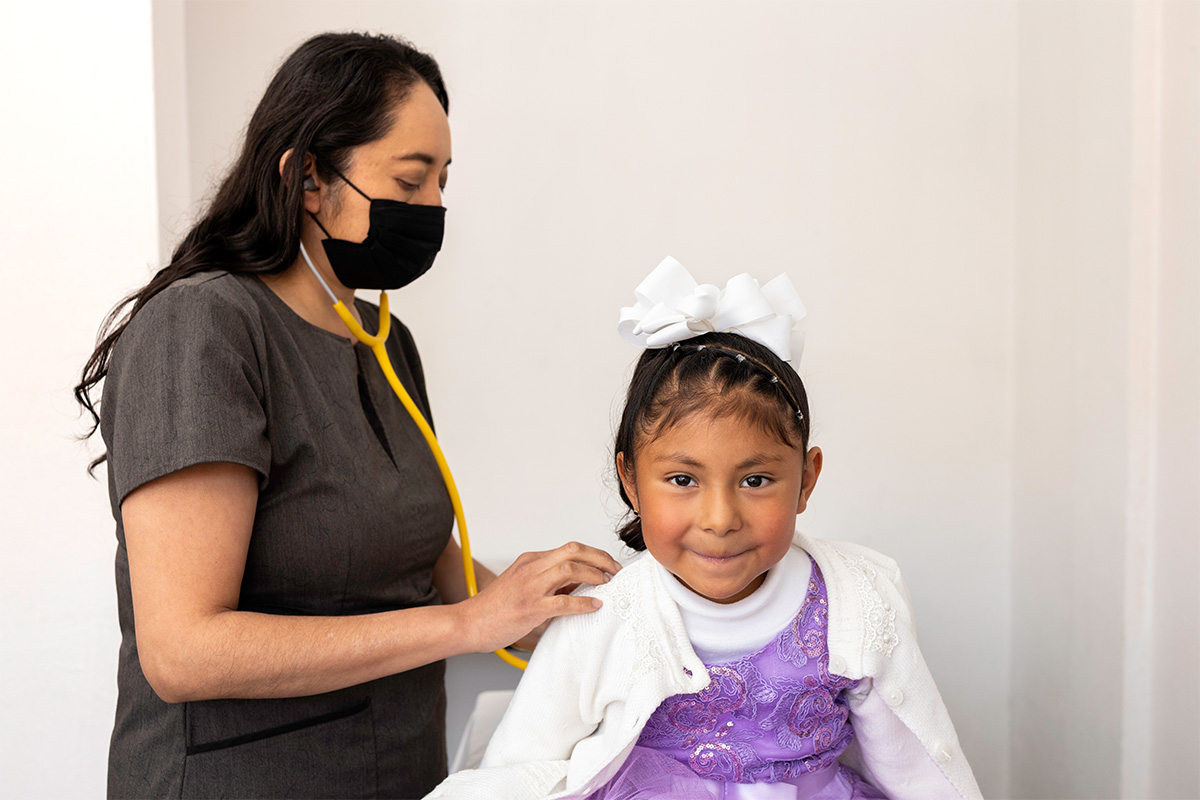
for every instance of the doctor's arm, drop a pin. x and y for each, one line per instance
(448, 574)
(187, 535)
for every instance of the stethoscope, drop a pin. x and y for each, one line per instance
(377, 343)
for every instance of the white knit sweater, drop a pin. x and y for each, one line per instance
(596, 679)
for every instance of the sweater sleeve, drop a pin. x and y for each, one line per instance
(904, 740)
(549, 713)
(529, 753)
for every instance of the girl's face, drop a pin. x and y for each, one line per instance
(718, 500)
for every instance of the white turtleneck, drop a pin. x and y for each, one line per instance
(724, 631)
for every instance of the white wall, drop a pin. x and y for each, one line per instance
(953, 186)
(1074, 181)
(1106, 402)
(79, 230)
(1162, 725)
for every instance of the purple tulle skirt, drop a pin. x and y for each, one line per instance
(648, 773)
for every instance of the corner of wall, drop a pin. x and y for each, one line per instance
(171, 121)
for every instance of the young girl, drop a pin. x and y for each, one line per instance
(736, 658)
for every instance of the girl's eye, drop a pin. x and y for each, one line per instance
(681, 480)
(756, 481)
(408, 187)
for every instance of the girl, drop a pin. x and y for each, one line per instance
(736, 658)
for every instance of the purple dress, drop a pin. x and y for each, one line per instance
(770, 725)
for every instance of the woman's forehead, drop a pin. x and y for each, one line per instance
(420, 132)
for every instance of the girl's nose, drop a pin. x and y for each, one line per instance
(719, 513)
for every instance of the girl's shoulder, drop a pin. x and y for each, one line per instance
(635, 639)
(633, 603)
(629, 590)
(838, 559)
(870, 611)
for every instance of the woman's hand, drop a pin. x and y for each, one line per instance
(536, 588)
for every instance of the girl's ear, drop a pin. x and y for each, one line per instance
(812, 471)
(625, 472)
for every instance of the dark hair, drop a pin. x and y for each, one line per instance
(335, 92)
(722, 374)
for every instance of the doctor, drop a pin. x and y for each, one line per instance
(287, 584)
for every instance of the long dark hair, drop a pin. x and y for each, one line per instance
(335, 92)
(716, 373)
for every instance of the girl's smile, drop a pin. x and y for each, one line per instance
(719, 559)
(718, 498)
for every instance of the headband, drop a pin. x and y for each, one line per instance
(671, 307)
(742, 358)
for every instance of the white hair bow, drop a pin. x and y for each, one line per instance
(671, 307)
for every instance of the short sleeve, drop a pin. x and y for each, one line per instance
(185, 386)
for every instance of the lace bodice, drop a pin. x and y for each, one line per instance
(769, 716)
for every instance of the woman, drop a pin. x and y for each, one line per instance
(287, 584)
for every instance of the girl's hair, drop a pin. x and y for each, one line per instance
(720, 374)
(335, 92)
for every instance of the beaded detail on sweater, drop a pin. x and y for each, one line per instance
(879, 617)
(649, 658)
(770, 716)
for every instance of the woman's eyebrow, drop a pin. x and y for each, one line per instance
(424, 158)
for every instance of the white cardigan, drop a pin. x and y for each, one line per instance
(596, 679)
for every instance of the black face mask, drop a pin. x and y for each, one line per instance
(402, 241)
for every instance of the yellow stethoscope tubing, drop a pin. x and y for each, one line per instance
(378, 345)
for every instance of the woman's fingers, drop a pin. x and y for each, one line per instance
(564, 604)
(574, 553)
(566, 566)
(569, 574)
(536, 588)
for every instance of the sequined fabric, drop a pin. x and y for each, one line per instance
(774, 715)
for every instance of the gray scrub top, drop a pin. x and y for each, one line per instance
(352, 514)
